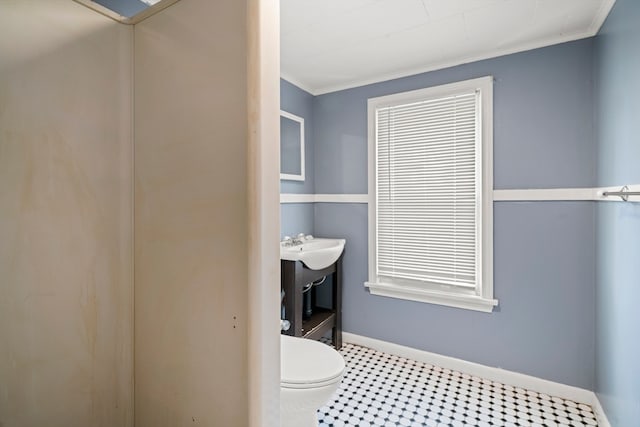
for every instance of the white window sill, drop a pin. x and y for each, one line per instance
(469, 302)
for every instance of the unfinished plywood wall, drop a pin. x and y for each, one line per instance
(65, 217)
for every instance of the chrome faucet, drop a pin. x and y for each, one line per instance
(298, 240)
(286, 241)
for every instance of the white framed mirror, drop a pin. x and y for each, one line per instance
(291, 147)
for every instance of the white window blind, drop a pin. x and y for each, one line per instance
(427, 190)
(430, 199)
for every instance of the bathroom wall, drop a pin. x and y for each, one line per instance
(66, 333)
(617, 76)
(544, 252)
(300, 102)
(298, 217)
(192, 244)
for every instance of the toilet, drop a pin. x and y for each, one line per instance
(310, 373)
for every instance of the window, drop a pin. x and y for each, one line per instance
(430, 191)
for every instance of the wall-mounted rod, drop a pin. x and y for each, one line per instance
(624, 193)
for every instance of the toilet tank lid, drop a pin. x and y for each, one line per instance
(304, 361)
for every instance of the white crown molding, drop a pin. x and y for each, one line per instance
(601, 16)
(550, 41)
(503, 376)
(593, 29)
(296, 82)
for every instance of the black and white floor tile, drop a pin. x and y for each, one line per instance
(379, 389)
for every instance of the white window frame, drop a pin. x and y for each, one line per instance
(481, 297)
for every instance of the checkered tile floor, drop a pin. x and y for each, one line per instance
(384, 390)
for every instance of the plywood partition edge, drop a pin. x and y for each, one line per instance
(132, 72)
(264, 213)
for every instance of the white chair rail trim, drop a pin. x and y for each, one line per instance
(324, 198)
(518, 195)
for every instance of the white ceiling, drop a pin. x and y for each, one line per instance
(328, 45)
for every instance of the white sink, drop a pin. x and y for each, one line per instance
(316, 253)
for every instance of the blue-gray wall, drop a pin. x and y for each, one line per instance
(298, 218)
(544, 252)
(300, 102)
(617, 96)
(542, 122)
(544, 280)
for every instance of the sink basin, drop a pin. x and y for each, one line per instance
(316, 253)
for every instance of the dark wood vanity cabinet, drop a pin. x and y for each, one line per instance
(294, 276)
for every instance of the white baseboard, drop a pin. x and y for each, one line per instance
(601, 417)
(514, 379)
